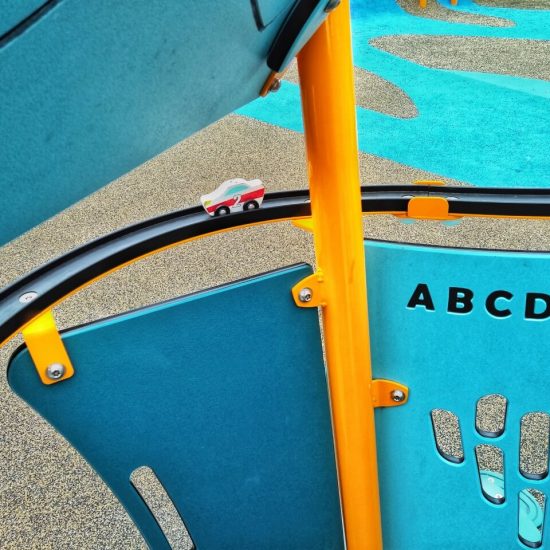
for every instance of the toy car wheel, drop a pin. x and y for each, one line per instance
(251, 205)
(222, 211)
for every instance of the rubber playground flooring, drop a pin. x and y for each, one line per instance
(459, 94)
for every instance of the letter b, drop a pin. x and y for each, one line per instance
(460, 300)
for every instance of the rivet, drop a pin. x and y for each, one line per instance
(397, 396)
(305, 295)
(28, 297)
(55, 371)
(332, 4)
(275, 85)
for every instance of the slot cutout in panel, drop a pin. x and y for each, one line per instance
(531, 508)
(490, 466)
(448, 438)
(491, 415)
(160, 504)
(533, 448)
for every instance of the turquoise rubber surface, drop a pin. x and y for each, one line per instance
(489, 130)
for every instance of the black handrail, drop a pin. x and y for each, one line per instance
(63, 275)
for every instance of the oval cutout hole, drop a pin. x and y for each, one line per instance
(153, 493)
(533, 448)
(448, 439)
(491, 415)
(490, 467)
(531, 508)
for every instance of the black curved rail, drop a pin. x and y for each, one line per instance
(54, 280)
(27, 22)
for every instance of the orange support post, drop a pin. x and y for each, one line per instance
(328, 103)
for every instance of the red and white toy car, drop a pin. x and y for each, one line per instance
(233, 196)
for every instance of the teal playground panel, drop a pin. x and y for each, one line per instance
(449, 360)
(223, 395)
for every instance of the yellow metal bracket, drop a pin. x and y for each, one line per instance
(47, 349)
(310, 292)
(304, 223)
(273, 83)
(387, 393)
(429, 208)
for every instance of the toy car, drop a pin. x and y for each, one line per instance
(234, 195)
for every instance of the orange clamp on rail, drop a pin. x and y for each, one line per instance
(429, 208)
(47, 349)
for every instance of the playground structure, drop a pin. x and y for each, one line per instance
(385, 406)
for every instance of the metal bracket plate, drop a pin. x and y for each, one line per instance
(47, 350)
(387, 393)
(309, 292)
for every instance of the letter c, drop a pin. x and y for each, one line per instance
(490, 303)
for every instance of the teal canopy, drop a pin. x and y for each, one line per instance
(90, 90)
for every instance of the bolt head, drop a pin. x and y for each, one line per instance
(398, 396)
(28, 297)
(332, 4)
(305, 295)
(55, 371)
(275, 85)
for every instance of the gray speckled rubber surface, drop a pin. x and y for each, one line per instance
(526, 58)
(516, 4)
(435, 10)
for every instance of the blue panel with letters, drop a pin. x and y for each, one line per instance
(455, 325)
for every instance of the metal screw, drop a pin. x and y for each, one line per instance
(28, 297)
(55, 371)
(332, 4)
(305, 295)
(275, 85)
(397, 396)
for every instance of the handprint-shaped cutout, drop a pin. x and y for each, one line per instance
(447, 436)
(491, 415)
(490, 422)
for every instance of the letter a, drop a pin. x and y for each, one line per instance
(421, 297)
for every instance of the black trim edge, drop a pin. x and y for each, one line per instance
(61, 276)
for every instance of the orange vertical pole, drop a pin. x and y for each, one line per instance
(328, 103)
